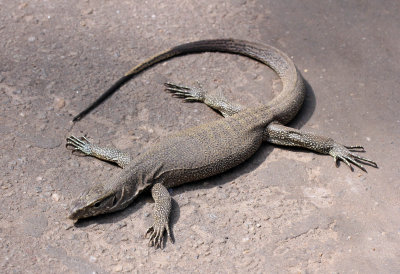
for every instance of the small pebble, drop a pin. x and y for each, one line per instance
(59, 103)
(121, 225)
(9, 194)
(55, 197)
(88, 11)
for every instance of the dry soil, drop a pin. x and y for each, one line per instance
(284, 210)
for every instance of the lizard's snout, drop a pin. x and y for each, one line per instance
(74, 212)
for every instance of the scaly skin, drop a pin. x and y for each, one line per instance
(205, 150)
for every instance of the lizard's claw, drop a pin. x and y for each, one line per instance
(347, 155)
(188, 93)
(156, 232)
(80, 144)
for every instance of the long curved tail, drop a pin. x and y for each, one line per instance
(285, 105)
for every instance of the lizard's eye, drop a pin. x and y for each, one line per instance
(97, 204)
(115, 200)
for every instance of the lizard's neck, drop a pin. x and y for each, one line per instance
(131, 181)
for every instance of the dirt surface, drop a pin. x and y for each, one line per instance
(284, 210)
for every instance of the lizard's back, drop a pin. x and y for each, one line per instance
(207, 149)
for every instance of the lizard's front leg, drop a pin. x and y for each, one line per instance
(197, 94)
(162, 209)
(281, 135)
(109, 154)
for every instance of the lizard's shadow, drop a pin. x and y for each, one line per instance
(306, 110)
(216, 181)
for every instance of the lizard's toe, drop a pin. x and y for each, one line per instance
(155, 233)
(346, 154)
(188, 93)
(80, 144)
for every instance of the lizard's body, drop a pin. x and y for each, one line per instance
(207, 149)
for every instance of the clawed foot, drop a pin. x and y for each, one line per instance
(156, 233)
(188, 93)
(80, 144)
(347, 155)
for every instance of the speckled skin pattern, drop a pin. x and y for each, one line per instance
(207, 149)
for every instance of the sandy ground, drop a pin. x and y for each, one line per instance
(284, 210)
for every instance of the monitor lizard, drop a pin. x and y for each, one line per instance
(207, 149)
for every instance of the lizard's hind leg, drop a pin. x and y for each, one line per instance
(281, 135)
(197, 94)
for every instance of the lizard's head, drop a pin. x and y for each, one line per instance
(103, 198)
(96, 200)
